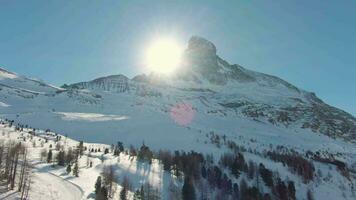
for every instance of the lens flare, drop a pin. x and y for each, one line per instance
(183, 113)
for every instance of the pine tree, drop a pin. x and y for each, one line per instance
(61, 158)
(69, 156)
(281, 189)
(98, 185)
(203, 172)
(251, 170)
(106, 151)
(100, 191)
(49, 156)
(145, 154)
(103, 195)
(291, 190)
(123, 194)
(235, 169)
(76, 170)
(243, 189)
(120, 146)
(109, 178)
(188, 191)
(266, 175)
(69, 168)
(142, 192)
(137, 195)
(235, 191)
(310, 195)
(81, 148)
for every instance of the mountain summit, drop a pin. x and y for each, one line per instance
(201, 46)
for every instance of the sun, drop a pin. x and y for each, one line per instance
(163, 56)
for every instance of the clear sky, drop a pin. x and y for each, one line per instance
(310, 43)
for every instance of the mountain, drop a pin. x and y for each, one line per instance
(225, 89)
(208, 106)
(212, 88)
(259, 95)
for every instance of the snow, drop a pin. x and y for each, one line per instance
(54, 183)
(65, 186)
(12, 80)
(47, 186)
(4, 104)
(92, 117)
(5, 75)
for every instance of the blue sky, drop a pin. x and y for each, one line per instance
(311, 44)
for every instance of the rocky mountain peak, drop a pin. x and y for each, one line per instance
(201, 45)
(201, 63)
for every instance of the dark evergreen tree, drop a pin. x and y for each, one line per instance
(166, 158)
(118, 148)
(203, 172)
(267, 197)
(61, 158)
(188, 191)
(106, 151)
(49, 156)
(243, 189)
(235, 191)
(251, 170)
(104, 193)
(137, 195)
(69, 168)
(145, 154)
(291, 190)
(235, 169)
(310, 195)
(81, 148)
(253, 193)
(98, 185)
(266, 175)
(76, 169)
(69, 156)
(281, 189)
(123, 194)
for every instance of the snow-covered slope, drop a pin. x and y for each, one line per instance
(20, 83)
(51, 181)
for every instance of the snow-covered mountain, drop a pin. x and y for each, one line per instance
(206, 98)
(213, 87)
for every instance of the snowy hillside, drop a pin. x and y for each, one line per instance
(20, 83)
(49, 179)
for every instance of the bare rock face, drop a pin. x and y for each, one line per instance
(201, 46)
(201, 59)
(114, 83)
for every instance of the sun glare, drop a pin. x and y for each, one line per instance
(163, 56)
